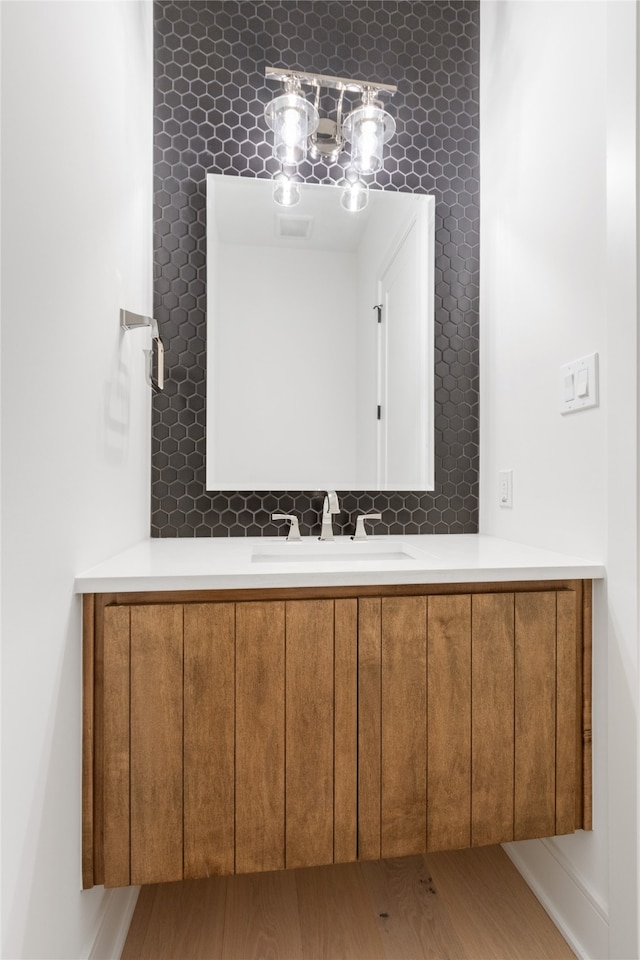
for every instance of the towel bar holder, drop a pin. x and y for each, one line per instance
(155, 356)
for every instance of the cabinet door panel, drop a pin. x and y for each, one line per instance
(535, 715)
(568, 739)
(309, 732)
(156, 743)
(116, 748)
(345, 804)
(492, 693)
(369, 727)
(260, 736)
(209, 754)
(449, 722)
(404, 733)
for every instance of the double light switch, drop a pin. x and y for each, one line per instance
(579, 384)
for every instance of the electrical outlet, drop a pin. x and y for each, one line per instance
(505, 478)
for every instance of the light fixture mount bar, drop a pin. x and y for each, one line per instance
(329, 83)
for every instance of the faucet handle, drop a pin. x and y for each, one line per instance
(361, 533)
(294, 529)
(331, 504)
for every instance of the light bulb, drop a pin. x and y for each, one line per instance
(292, 134)
(286, 190)
(291, 124)
(369, 146)
(355, 195)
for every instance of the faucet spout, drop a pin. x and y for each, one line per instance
(329, 508)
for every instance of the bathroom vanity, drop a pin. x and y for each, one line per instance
(250, 708)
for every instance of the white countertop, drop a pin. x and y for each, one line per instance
(240, 563)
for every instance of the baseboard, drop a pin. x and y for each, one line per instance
(114, 923)
(580, 917)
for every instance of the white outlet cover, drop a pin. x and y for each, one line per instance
(579, 384)
(505, 491)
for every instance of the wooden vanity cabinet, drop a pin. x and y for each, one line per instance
(473, 720)
(239, 732)
(216, 726)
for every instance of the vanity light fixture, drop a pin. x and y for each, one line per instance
(299, 131)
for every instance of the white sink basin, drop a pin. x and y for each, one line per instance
(343, 550)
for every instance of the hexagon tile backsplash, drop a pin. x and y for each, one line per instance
(210, 93)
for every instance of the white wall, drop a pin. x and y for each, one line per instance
(558, 282)
(265, 303)
(76, 246)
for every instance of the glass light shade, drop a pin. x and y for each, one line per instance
(292, 119)
(368, 128)
(286, 190)
(355, 195)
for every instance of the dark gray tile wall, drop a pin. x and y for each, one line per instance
(210, 93)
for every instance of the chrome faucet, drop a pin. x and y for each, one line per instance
(329, 507)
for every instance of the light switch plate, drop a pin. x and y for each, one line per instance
(579, 384)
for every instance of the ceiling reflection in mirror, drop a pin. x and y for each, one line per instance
(319, 340)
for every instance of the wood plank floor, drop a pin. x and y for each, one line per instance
(463, 905)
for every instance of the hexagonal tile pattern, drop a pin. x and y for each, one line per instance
(210, 94)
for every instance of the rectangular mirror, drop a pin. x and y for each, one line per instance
(319, 340)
